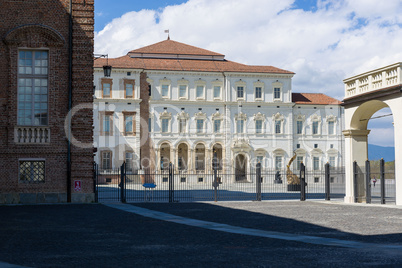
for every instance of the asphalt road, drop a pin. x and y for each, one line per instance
(95, 235)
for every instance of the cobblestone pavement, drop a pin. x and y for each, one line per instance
(95, 235)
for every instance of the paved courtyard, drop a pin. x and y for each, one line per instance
(223, 234)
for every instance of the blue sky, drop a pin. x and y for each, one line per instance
(322, 41)
(106, 12)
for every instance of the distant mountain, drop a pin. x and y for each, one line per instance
(376, 152)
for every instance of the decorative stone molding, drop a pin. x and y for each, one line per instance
(183, 115)
(331, 118)
(241, 116)
(278, 116)
(315, 117)
(300, 117)
(200, 115)
(241, 145)
(216, 116)
(316, 152)
(165, 115)
(259, 116)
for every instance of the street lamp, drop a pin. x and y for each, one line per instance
(107, 69)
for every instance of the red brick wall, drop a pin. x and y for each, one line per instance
(52, 32)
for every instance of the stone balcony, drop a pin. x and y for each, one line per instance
(31, 134)
(374, 80)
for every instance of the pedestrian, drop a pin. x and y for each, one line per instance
(374, 181)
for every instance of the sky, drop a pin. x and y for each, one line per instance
(322, 41)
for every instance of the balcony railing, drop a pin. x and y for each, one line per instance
(31, 134)
(374, 80)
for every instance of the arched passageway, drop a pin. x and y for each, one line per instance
(241, 168)
(366, 94)
(164, 156)
(182, 157)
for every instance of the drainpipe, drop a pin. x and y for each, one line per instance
(70, 89)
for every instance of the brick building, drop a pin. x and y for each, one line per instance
(46, 58)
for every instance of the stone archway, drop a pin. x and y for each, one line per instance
(164, 156)
(200, 157)
(217, 154)
(240, 168)
(365, 95)
(182, 156)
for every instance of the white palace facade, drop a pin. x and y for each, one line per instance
(171, 102)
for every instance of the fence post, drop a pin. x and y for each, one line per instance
(258, 181)
(302, 182)
(355, 190)
(171, 197)
(95, 174)
(368, 184)
(122, 182)
(382, 175)
(327, 182)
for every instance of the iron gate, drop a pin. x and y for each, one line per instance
(172, 185)
(374, 183)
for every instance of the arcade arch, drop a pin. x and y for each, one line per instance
(383, 88)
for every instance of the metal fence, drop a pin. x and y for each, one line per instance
(374, 183)
(183, 186)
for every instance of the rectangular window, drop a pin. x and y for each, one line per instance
(129, 124)
(182, 91)
(182, 125)
(332, 161)
(129, 91)
(299, 160)
(217, 126)
(32, 171)
(240, 126)
(107, 125)
(165, 91)
(165, 125)
(316, 179)
(278, 162)
(200, 92)
(150, 90)
(299, 127)
(278, 124)
(106, 90)
(240, 92)
(316, 163)
(258, 92)
(200, 125)
(258, 126)
(217, 92)
(315, 127)
(277, 93)
(331, 127)
(149, 125)
(33, 88)
(129, 161)
(106, 160)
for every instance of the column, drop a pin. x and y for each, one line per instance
(355, 150)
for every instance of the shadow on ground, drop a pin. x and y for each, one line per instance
(99, 236)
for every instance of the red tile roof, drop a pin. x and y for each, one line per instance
(313, 98)
(173, 47)
(170, 47)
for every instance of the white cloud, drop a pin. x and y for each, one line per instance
(338, 40)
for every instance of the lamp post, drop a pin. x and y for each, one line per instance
(107, 69)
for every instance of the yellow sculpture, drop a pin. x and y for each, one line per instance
(290, 176)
